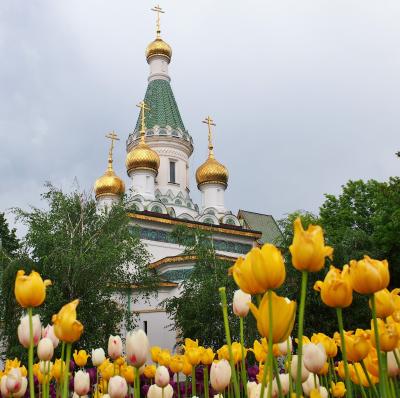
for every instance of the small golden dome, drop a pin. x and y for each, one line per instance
(158, 47)
(142, 157)
(211, 171)
(109, 184)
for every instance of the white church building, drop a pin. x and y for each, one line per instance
(157, 164)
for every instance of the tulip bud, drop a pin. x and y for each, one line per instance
(284, 378)
(309, 384)
(48, 332)
(23, 330)
(81, 383)
(117, 387)
(98, 356)
(220, 375)
(385, 304)
(75, 395)
(314, 357)
(14, 380)
(137, 347)
(283, 347)
(21, 392)
(45, 349)
(162, 376)
(251, 386)
(240, 303)
(114, 347)
(3, 387)
(323, 392)
(30, 290)
(293, 369)
(45, 367)
(157, 392)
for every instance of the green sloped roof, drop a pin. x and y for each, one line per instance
(163, 108)
(264, 223)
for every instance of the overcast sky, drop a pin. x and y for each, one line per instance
(305, 93)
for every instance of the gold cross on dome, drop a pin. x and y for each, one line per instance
(210, 123)
(113, 137)
(143, 107)
(159, 11)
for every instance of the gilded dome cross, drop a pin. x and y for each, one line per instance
(210, 123)
(113, 137)
(159, 11)
(143, 107)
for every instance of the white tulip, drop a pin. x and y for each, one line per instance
(114, 347)
(251, 386)
(48, 332)
(81, 383)
(98, 356)
(168, 391)
(220, 375)
(293, 369)
(137, 347)
(117, 387)
(256, 392)
(283, 347)
(240, 303)
(309, 384)
(14, 380)
(45, 349)
(3, 387)
(156, 392)
(45, 367)
(323, 392)
(161, 377)
(284, 378)
(21, 392)
(23, 330)
(75, 395)
(393, 368)
(314, 357)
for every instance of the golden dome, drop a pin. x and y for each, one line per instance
(158, 47)
(109, 184)
(211, 171)
(142, 157)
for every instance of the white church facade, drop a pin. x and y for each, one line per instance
(157, 164)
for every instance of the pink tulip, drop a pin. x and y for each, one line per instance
(114, 347)
(81, 383)
(117, 387)
(23, 330)
(162, 377)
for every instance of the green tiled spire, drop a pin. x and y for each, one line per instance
(163, 108)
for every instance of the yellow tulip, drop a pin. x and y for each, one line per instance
(338, 390)
(66, 327)
(396, 301)
(164, 357)
(30, 290)
(24, 371)
(340, 370)
(283, 316)
(120, 361)
(189, 343)
(14, 363)
(385, 303)
(372, 363)
(207, 356)
(388, 335)
(187, 367)
(260, 373)
(150, 371)
(314, 393)
(154, 351)
(357, 346)
(357, 375)
(176, 363)
(328, 343)
(81, 358)
(237, 352)
(324, 370)
(56, 369)
(244, 277)
(128, 373)
(268, 267)
(193, 355)
(308, 248)
(106, 370)
(259, 351)
(336, 290)
(369, 276)
(223, 352)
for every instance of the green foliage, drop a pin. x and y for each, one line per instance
(87, 255)
(9, 243)
(197, 311)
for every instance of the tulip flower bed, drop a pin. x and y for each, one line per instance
(361, 363)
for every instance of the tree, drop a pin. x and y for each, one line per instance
(9, 243)
(87, 255)
(197, 311)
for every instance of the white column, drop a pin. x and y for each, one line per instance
(213, 195)
(143, 183)
(105, 202)
(158, 68)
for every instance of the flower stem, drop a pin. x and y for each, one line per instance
(304, 277)
(66, 377)
(30, 355)
(382, 387)
(137, 383)
(243, 370)
(193, 381)
(372, 385)
(205, 381)
(364, 395)
(289, 359)
(278, 379)
(179, 387)
(344, 355)
(270, 345)
(222, 292)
